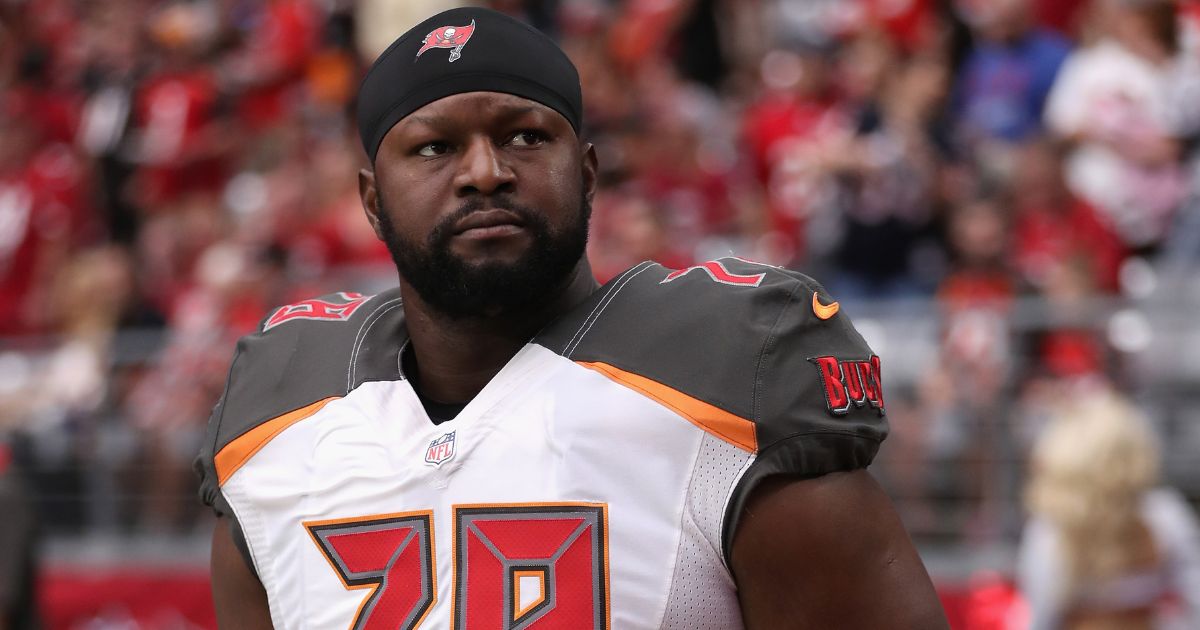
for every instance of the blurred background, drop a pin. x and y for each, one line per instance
(1003, 194)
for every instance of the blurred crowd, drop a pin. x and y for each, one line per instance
(172, 169)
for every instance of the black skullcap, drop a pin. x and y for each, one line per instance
(486, 51)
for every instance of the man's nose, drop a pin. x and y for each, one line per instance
(483, 170)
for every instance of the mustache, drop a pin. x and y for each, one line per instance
(445, 227)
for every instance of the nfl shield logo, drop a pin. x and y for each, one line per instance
(440, 450)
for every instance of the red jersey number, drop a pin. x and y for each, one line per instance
(515, 566)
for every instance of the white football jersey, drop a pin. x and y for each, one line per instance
(595, 482)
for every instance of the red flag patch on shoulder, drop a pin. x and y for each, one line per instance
(339, 308)
(452, 37)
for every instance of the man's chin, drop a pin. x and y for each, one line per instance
(502, 275)
(493, 258)
(491, 288)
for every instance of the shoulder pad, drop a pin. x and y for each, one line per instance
(302, 354)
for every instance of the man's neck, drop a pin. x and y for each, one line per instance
(456, 358)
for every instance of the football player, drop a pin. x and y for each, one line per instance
(501, 443)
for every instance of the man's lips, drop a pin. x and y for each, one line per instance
(489, 224)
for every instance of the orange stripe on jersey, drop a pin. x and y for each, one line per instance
(238, 452)
(736, 430)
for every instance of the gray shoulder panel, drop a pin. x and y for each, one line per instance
(763, 343)
(742, 336)
(302, 353)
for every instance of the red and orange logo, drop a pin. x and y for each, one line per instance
(452, 37)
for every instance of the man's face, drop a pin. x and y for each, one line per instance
(483, 201)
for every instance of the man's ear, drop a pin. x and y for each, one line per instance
(369, 195)
(591, 170)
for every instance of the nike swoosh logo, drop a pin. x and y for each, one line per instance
(824, 311)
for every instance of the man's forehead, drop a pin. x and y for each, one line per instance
(497, 54)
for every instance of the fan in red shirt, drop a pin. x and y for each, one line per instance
(1053, 228)
(180, 141)
(267, 71)
(43, 192)
(787, 131)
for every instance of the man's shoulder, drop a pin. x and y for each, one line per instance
(719, 308)
(306, 352)
(715, 331)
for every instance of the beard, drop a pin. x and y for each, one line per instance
(458, 289)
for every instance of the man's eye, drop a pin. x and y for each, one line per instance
(433, 149)
(527, 138)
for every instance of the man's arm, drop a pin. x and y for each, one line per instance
(238, 596)
(829, 552)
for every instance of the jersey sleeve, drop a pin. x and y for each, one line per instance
(819, 401)
(765, 354)
(204, 465)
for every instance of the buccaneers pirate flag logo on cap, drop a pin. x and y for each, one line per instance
(453, 37)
